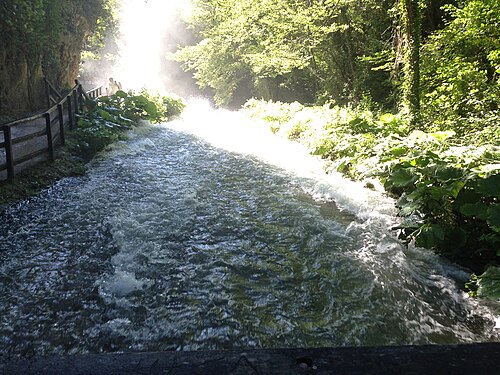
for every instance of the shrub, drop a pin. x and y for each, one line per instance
(108, 117)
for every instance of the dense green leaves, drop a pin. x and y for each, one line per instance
(47, 36)
(490, 186)
(109, 116)
(346, 52)
(31, 24)
(21, 22)
(486, 285)
(461, 62)
(309, 50)
(401, 177)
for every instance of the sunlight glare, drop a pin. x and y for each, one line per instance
(237, 133)
(143, 28)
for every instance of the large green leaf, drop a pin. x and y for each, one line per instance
(151, 108)
(320, 150)
(106, 115)
(387, 118)
(493, 219)
(489, 284)
(490, 186)
(121, 94)
(466, 195)
(442, 136)
(430, 235)
(409, 208)
(454, 188)
(402, 177)
(448, 173)
(398, 151)
(478, 209)
(421, 161)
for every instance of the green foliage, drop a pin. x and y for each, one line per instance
(31, 24)
(489, 284)
(448, 186)
(348, 137)
(443, 194)
(109, 116)
(343, 51)
(21, 24)
(486, 285)
(461, 69)
(141, 106)
(39, 30)
(411, 25)
(106, 24)
(309, 50)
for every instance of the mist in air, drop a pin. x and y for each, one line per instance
(148, 32)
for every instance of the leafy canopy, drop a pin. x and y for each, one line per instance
(301, 48)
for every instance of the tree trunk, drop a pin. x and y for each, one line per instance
(411, 24)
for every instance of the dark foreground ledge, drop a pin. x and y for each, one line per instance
(456, 359)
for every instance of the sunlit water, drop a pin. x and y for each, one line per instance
(177, 241)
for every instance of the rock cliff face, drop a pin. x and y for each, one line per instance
(22, 88)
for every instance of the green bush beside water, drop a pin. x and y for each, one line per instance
(108, 117)
(448, 187)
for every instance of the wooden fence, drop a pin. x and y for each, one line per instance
(31, 140)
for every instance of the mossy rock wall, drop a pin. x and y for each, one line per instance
(21, 88)
(56, 56)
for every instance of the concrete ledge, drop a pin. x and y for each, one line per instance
(455, 359)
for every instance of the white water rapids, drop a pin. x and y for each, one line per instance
(211, 233)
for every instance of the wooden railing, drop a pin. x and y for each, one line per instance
(94, 93)
(53, 96)
(31, 140)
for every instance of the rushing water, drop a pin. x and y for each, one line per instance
(176, 241)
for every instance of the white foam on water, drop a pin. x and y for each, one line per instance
(236, 132)
(121, 284)
(138, 227)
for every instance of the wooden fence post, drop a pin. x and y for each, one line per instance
(75, 99)
(9, 157)
(50, 143)
(80, 96)
(61, 123)
(70, 112)
(47, 91)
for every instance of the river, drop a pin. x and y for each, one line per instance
(209, 233)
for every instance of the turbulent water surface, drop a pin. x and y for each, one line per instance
(177, 241)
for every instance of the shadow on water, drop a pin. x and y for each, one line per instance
(170, 243)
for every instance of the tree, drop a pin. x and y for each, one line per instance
(292, 49)
(410, 14)
(461, 69)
